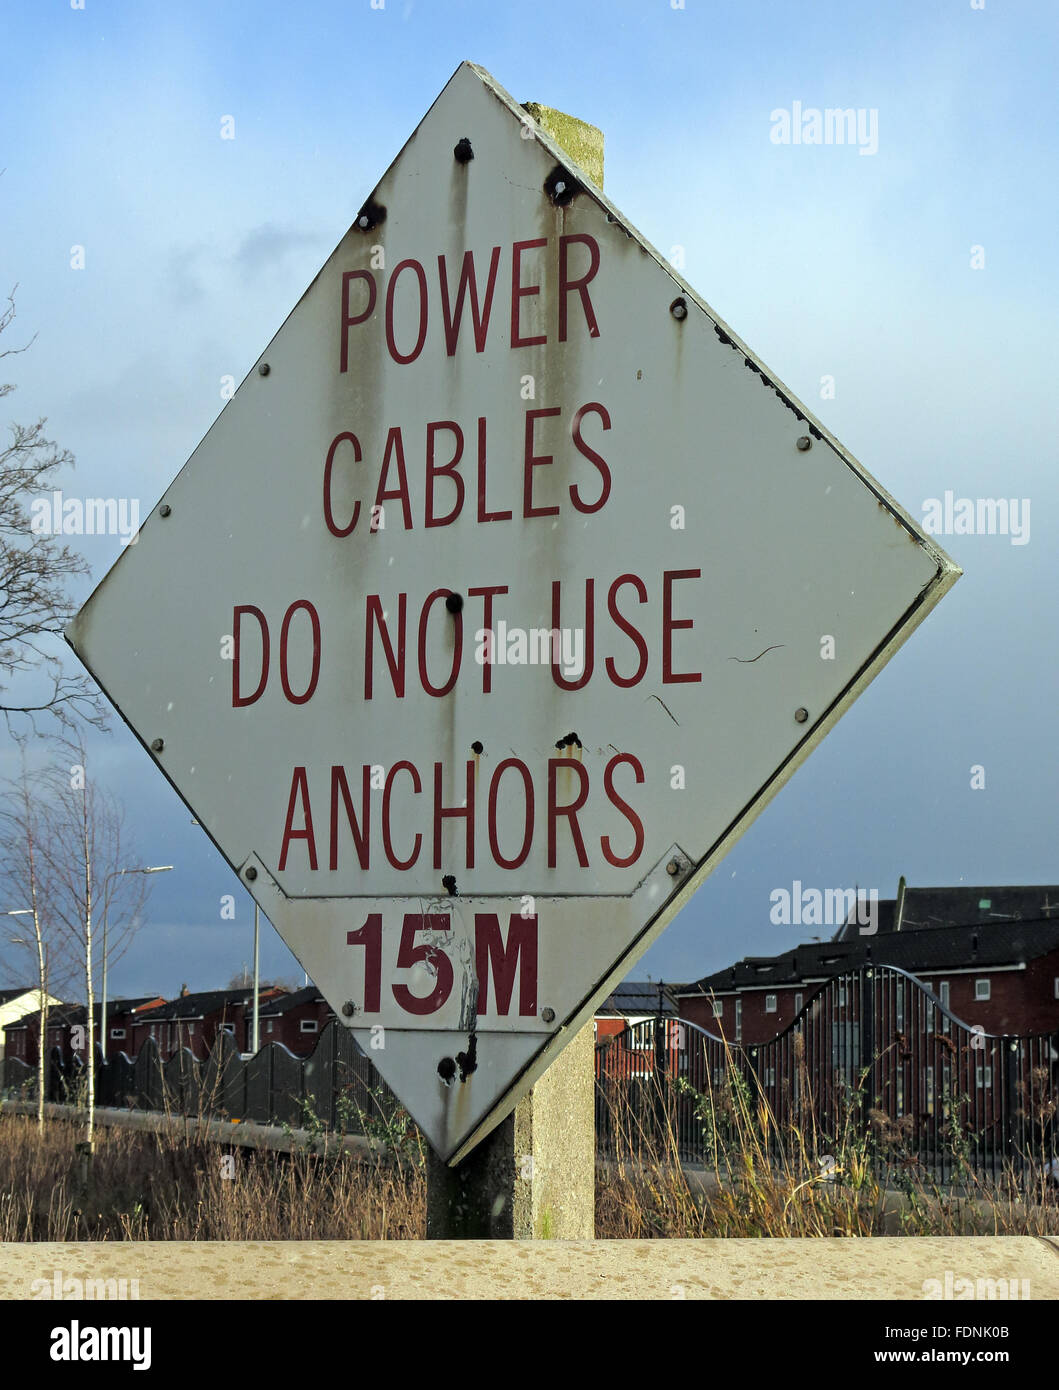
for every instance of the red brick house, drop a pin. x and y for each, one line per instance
(195, 1020)
(630, 1050)
(990, 954)
(295, 1020)
(66, 1028)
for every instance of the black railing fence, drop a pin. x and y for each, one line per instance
(336, 1087)
(874, 1062)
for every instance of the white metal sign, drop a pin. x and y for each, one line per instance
(497, 602)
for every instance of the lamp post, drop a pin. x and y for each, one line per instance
(117, 873)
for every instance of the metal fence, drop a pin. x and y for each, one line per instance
(336, 1086)
(874, 1060)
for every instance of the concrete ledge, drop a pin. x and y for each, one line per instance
(882, 1268)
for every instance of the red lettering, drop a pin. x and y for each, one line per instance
(387, 843)
(671, 624)
(464, 812)
(391, 288)
(527, 834)
(457, 644)
(580, 285)
(590, 636)
(348, 321)
(493, 957)
(374, 617)
(314, 674)
(590, 454)
(370, 937)
(395, 449)
(520, 291)
(299, 790)
(430, 954)
(569, 810)
(626, 810)
(487, 593)
(238, 701)
(483, 514)
(340, 787)
(480, 321)
(532, 461)
(329, 516)
(628, 629)
(447, 470)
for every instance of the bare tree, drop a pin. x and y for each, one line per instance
(36, 573)
(21, 829)
(84, 850)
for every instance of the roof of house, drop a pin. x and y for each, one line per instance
(79, 1013)
(635, 997)
(1000, 943)
(962, 905)
(196, 1006)
(286, 1002)
(58, 1015)
(6, 995)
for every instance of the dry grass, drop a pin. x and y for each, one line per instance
(176, 1186)
(764, 1182)
(146, 1186)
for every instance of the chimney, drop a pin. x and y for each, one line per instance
(184, 991)
(899, 906)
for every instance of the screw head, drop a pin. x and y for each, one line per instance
(463, 152)
(673, 868)
(264, 369)
(477, 746)
(164, 509)
(363, 220)
(349, 1009)
(803, 443)
(251, 873)
(548, 1015)
(157, 744)
(454, 603)
(679, 308)
(801, 715)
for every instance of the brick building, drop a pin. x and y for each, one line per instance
(195, 1020)
(296, 1020)
(991, 955)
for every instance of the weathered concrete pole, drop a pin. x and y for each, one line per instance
(534, 1176)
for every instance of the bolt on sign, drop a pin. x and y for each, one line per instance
(494, 606)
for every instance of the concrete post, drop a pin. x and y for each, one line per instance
(534, 1176)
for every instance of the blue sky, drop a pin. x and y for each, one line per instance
(825, 261)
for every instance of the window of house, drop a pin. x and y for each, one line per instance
(309, 1025)
(983, 1078)
(798, 1003)
(943, 995)
(981, 989)
(268, 1028)
(841, 996)
(770, 1076)
(899, 1006)
(228, 1028)
(191, 1029)
(117, 1032)
(738, 1019)
(770, 1003)
(1057, 986)
(718, 1004)
(930, 1090)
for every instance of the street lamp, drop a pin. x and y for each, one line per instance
(117, 873)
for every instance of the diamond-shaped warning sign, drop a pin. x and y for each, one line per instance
(500, 598)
